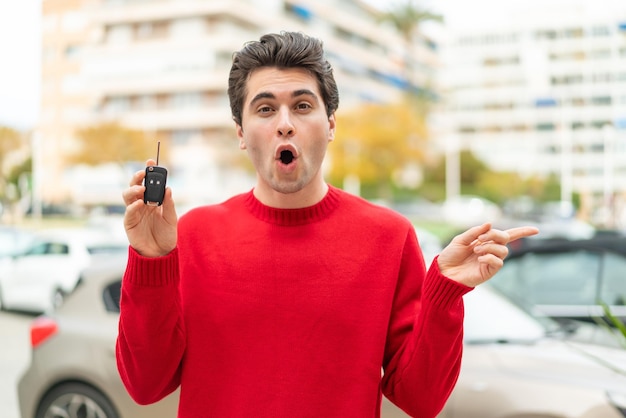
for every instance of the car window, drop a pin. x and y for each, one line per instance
(510, 281)
(38, 249)
(566, 278)
(14, 242)
(107, 248)
(554, 278)
(613, 290)
(111, 296)
(57, 248)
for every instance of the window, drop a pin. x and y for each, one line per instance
(188, 27)
(568, 278)
(57, 248)
(48, 248)
(119, 34)
(600, 31)
(116, 106)
(601, 100)
(111, 296)
(546, 126)
(186, 100)
(72, 52)
(560, 278)
(613, 290)
(151, 30)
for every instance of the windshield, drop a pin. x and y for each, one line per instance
(13, 242)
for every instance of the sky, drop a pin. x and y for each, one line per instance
(19, 62)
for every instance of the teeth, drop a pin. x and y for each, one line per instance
(286, 156)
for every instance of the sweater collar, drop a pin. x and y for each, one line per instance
(292, 217)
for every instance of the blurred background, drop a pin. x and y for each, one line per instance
(452, 113)
(446, 108)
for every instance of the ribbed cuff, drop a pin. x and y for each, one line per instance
(151, 271)
(443, 292)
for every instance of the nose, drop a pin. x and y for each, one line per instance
(284, 125)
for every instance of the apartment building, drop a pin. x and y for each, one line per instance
(544, 93)
(162, 66)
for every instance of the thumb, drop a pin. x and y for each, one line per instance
(472, 234)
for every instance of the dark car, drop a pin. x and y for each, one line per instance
(567, 279)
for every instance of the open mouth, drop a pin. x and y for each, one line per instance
(286, 156)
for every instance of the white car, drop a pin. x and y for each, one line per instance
(39, 279)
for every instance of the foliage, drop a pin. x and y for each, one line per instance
(10, 140)
(111, 142)
(612, 323)
(406, 17)
(374, 142)
(478, 179)
(17, 173)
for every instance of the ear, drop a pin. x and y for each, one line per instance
(332, 125)
(242, 142)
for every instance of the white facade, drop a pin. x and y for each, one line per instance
(544, 92)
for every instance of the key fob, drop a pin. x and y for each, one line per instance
(155, 185)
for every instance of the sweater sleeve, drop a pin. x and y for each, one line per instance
(425, 340)
(151, 339)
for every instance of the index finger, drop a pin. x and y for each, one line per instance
(521, 232)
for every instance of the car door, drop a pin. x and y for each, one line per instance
(34, 275)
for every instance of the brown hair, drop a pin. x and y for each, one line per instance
(284, 50)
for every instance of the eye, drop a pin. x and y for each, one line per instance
(264, 109)
(303, 106)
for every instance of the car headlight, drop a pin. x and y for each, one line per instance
(618, 400)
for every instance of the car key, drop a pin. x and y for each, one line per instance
(154, 181)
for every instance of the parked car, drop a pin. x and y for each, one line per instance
(465, 211)
(514, 364)
(73, 371)
(40, 277)
(14, 240)
(429, 243)
(567, 279)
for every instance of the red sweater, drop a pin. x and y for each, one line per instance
(264, 312)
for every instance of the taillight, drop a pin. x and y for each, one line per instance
(41, 329)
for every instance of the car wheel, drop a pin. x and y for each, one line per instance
(58, 296)
(75, 400)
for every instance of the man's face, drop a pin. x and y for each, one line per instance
(285, 130)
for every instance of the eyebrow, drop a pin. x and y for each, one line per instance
(295, 93)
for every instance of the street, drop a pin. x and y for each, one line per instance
(14, 357)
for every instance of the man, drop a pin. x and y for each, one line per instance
(286, 301)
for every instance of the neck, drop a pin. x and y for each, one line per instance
(305, 197)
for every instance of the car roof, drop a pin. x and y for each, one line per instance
(615, 244)
(92, 239)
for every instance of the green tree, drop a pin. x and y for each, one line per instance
(10, 141)
(111, 142)
(407, 18)
(478, 179)
(374, 142)
(18, 174)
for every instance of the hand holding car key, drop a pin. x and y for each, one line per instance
(154, 182)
